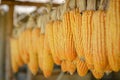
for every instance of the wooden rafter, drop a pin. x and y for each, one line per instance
(26, 3)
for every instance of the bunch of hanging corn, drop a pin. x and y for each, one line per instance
(87, 41)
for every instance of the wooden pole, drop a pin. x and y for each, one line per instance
(9, 27)
(2, 45)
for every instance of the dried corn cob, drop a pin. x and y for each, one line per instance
(61, 43)
(22, 49)
(48, 63)
(17, 56)
(57, 39)
(33, 62)
(40, 47)
(86, 37)
(15, 65)
(49, 33)
(68, 38)
(98, 41)
(113, 34)
(76, 22)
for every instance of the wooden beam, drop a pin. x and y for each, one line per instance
(27, 3)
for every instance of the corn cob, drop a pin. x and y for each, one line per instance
(76, 22)
(56, 37)
(61, 43)
(113, 34)
(49, 33)
(98, 41)
(13, 55)
(68, 38)
(22, 49)
(86, 37)
(18, 58)
(48, 63)
(40, 47)
(32, 64)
